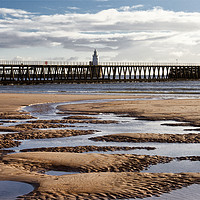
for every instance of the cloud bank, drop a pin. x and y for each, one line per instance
(126, 34)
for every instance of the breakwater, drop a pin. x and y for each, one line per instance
(12, 72)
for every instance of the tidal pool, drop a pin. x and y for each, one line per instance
(10, 190)
(60, 173)
(186, 193)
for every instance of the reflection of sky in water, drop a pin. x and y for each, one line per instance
(59, 173)
(175, 167)
(9, 190)
(187, 193)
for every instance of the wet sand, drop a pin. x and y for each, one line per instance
(13, 102)
(174, 109)
(114, 176)
(82, 149)
(91, 162)
(150, 137)
(104, 185)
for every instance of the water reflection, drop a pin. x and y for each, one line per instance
(187, 193)
(60, 173)
(10, 190)
(175, 167)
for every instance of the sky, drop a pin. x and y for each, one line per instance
(120, 30)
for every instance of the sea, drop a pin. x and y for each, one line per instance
(157, 90)
(169, 88)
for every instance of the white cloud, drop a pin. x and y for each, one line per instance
(54, 44)
(129, 8)
(73, 8)
(130, 33)
(14, 13)
(138, 6)
(177, 53)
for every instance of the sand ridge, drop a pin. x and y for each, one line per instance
(81, 149)
(91, 162)
(171, 109)
(150, 137)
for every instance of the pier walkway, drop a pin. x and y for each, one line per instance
(18, 72)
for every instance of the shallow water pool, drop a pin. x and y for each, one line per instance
(10, 190)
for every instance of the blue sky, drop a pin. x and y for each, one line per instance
(121, 30)
(61, 6)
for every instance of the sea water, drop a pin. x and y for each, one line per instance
(187, 89)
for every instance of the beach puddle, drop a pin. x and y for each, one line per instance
(187, 193)
(60, 173)
(175, 167)
(10, 190)
(7, 132)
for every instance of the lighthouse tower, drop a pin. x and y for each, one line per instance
(95, 58)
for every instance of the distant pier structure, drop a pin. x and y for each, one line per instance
(95, 59)
(36, 72)
(95, 69)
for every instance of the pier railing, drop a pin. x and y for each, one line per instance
(30, 72)
(65, 63)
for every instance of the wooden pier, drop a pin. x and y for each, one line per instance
(15, 72)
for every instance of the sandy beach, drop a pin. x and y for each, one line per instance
(103, 176)
(10, 102)
(172, 109)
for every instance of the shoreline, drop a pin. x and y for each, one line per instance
(113, 175)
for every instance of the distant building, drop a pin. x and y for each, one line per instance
(95, 58)
(95, 68)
